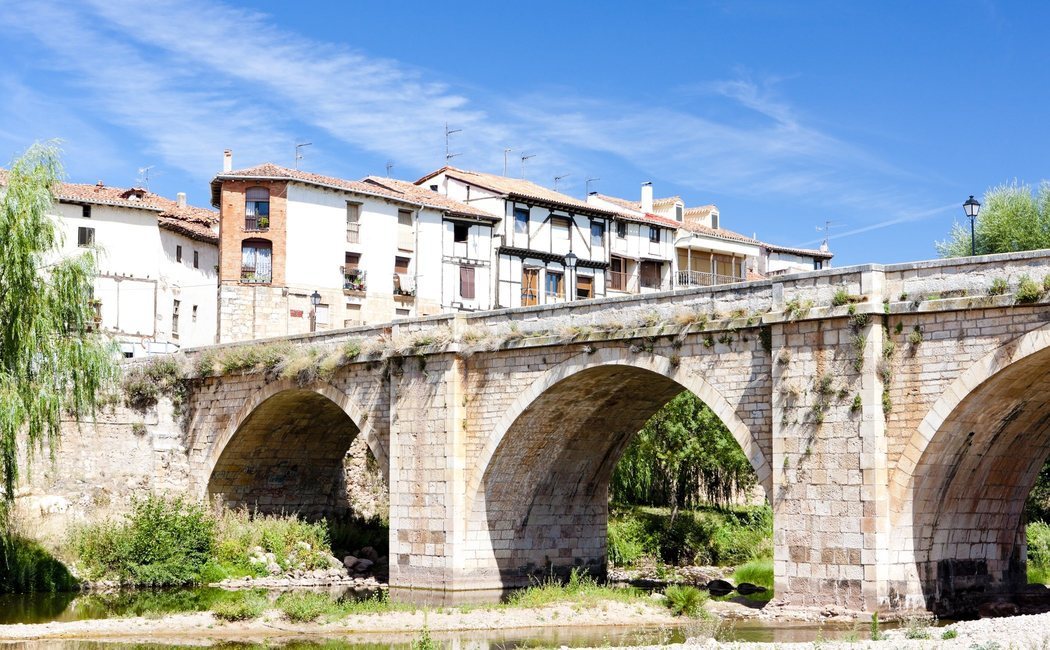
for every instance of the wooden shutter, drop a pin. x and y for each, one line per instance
(584, 286)
(530, 285)
(466, 282)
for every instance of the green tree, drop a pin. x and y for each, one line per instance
(51, 360)
(1012, 218)
(684, 455)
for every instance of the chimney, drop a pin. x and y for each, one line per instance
(227, 161)
(647, 197)
(180, 198)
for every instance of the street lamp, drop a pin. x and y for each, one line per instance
(972, 208)
(315, 299)
(570, 263)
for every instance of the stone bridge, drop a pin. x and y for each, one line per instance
(897, 417)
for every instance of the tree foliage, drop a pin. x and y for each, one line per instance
(683, 456)
(1012, 218)
(51, 361)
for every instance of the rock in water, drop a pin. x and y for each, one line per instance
(363, 565)
(349, 561)
(369, 553)
(719, 588)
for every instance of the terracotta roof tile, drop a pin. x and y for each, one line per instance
(372, 185)
(516, 187)
(633, 211)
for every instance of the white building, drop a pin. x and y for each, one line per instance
(373, 251)
(548, 248)
(156, 259)
(782, 260)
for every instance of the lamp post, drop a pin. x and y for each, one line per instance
(971, 207)
(570, 264)
(315, 299)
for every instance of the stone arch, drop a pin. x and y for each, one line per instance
(560, 440)
(292, 438)
(958, 491)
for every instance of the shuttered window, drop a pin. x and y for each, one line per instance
(466, 282)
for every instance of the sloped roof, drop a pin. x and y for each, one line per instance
(371, 186)
(427, 196)
(517, 188)
(196, 223)
(719, 233)
(633, 212)
(809, 252)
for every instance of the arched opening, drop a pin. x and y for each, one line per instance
(287, 456)
(539, 504)
(971, 480)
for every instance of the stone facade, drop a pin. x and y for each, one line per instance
(882, 407)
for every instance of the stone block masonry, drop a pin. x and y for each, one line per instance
(882, 407)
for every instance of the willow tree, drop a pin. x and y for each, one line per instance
(52, 359)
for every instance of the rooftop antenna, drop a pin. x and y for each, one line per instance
(525, 157)
(298, 154)
(389, 166)
(826, 229)
(505, 152)
(449, 155)
(589, 181)
(558, 178)
(143, 179)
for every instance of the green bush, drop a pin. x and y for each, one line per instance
(163, 542)
(294, 543)
(999, 287)
(1038, 534)
(144, 383)
(1028, 290)
(26, 567)
(685, 600)
(241, 606)
(627, 541)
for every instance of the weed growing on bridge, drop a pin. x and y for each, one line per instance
(824, 391)
(857, 404)
(691, 317)
(144, 383)
(1028, 290)
(999, 287)
(843, 297)
(915, 338)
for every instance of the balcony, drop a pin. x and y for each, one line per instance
(253, 275)
(623, 281)
(256, 223)
(354, 280)
(702, 279)
(404, 287)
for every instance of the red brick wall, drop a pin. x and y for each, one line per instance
(232, 232)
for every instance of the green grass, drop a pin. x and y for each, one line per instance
(581, 590)
(26, 567)
(241, 606)
(758, 572)
(306, 606)
(294, 543)
(685, 600)
(703, 536)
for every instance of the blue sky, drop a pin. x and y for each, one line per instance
(881, 117)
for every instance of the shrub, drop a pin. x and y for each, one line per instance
(161, 543)
(916, 626)
(1038, 534)
(840, 298)
(241, 606)
(685, 600)
(999, 287)
(26, 567)
(949, 634)
(626, 542)
(1028, 290)
(144, 383)
(294, 543)
(757, 572)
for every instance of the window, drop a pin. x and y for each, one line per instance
(621, 229)
(651, 272)
(256, 208)
(193, 315)
(555, 284)
(460, 232)
(521, 221)
(714, 220)
(353, 315)
(85, 211)
(618, 274)
(654, 234)
(530, 287)
(85, 236)
(817, 265)
(402, 312)
(256, 261)
(402, 283)
(196, 259)
(353, 275)
(466, 282)
(559, 234)
(353, 223)
(175, 319)
(679, 212)
(178, 253)
(584, 287)
(404, 230)
(597, 234)
(322, 314)
(401, 265)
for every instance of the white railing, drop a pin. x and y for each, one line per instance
(703, 279)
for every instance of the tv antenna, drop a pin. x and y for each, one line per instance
(826, 229)
(505, 152)
(588, 184)
(389, 166)
(449, 155)
(558, 178)
(298, 153)
(525, 157)
(143, 179)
